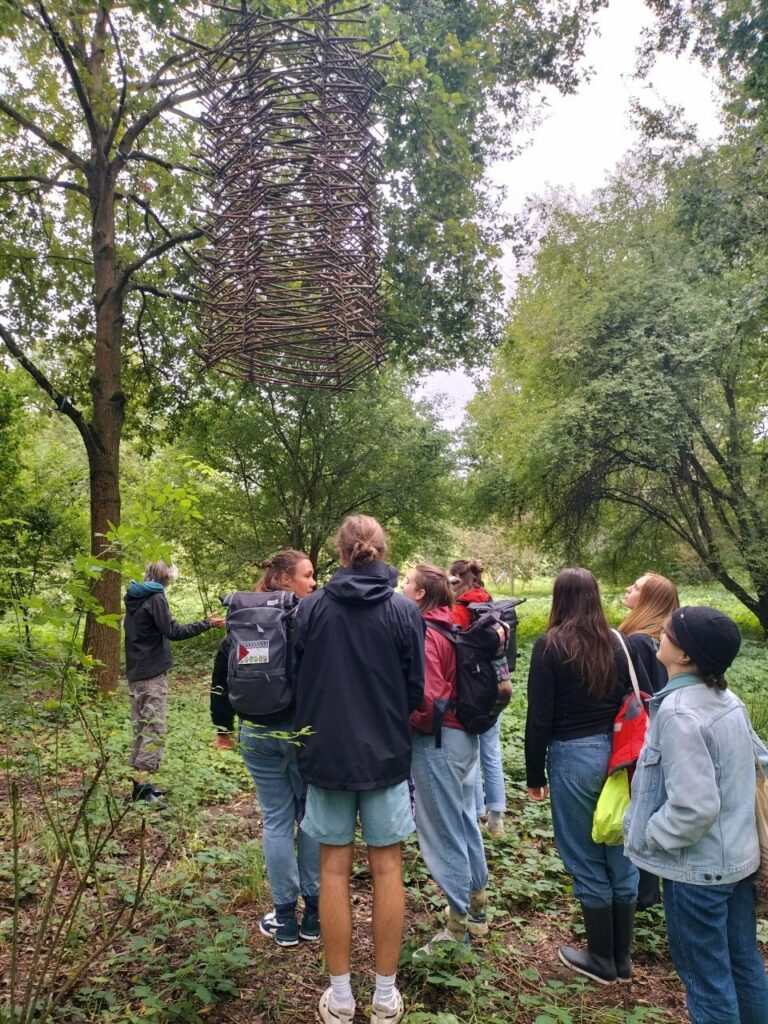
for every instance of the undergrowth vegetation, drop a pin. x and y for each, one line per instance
(111, 914)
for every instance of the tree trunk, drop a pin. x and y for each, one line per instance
(102, 641)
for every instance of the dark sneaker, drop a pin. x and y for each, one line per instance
(285, 933)
(310, 926)
(144, 793)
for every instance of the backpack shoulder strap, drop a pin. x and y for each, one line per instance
(630, 666)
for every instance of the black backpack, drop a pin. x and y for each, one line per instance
(482, 674)
(505, 609)
(260, 660)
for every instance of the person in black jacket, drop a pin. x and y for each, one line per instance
(651, 599)
(149, 626)
(360, 656)
(576, 683)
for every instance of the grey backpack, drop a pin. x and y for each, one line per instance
(259, 663)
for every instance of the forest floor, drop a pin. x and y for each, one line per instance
(193, 951)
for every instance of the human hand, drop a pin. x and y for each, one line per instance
(538, 793)
(216, 620)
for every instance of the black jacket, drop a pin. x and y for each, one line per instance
(149, 626)
(559, 707)
(643, 649)
(360, 661)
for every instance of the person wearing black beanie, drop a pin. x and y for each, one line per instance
(692, 819)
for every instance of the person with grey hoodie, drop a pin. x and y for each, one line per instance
(149, 627)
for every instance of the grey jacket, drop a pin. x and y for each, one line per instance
(692, 813)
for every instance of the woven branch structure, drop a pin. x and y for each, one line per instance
(291, 272)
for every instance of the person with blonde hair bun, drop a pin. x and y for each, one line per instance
(360, 657)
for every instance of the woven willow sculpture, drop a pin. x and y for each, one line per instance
(292, 269)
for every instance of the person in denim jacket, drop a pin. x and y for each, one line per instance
(692, 820)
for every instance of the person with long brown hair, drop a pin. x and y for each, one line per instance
(466, 575)
(577, 680)
(651, 599)
(444, 766)
(360, 654)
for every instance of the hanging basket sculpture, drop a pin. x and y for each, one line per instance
(291, 289)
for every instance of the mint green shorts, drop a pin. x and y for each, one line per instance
(386, 816)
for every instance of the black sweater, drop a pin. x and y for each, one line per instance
(643, 649)
(559, 707)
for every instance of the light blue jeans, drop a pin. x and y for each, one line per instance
(713, 942)
(490, 794)
(292, 861)
(602, 875)
(446, 821)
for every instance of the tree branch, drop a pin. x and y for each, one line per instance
(71, 70)
(44, 136)
(21, 179)
(62, 403)
(152, 254)
(162, 293)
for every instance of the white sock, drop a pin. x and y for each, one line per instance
(341, 994)
(385, 989)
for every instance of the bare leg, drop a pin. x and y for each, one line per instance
(335, 909)
(388, 905)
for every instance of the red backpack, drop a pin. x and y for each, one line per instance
(630, 722)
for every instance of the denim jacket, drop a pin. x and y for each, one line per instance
(692, 813)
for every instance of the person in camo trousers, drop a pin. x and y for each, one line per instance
(149, 626)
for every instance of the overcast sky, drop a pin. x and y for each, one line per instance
(583, 137)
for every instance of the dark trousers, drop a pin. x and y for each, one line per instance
(222, 715)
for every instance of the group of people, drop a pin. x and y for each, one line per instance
(375, 670)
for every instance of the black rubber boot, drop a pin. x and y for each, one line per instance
(623, 926)
(596, 962)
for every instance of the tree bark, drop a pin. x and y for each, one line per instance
(102, 641)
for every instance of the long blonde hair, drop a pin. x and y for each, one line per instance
(658, 599)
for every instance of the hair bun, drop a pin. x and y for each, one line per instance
(266, 563)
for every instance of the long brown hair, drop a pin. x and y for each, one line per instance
(360, 539)
(579, 630)
(468, 573)
(658, 599)
(282, 564)
(434, 582)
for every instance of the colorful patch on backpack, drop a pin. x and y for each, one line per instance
(252, 652)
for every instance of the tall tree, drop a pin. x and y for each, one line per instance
(94, 113)
(630, 395)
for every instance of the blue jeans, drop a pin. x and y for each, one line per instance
(292, 862)
(602, 875)
(489, 782)
(446, 819)
(712, 939)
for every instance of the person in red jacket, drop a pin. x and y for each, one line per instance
(443, 767)
(490, 794)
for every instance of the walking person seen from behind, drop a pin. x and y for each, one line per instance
(577, 680)
(360, 652)
(444, 766)
(149, 626)
(691, 820)
(490, 792)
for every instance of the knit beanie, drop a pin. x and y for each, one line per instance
(709, 638)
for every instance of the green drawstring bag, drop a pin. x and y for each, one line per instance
(611, 807)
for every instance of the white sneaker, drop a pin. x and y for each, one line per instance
(334, 1015)
(383, 1014)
